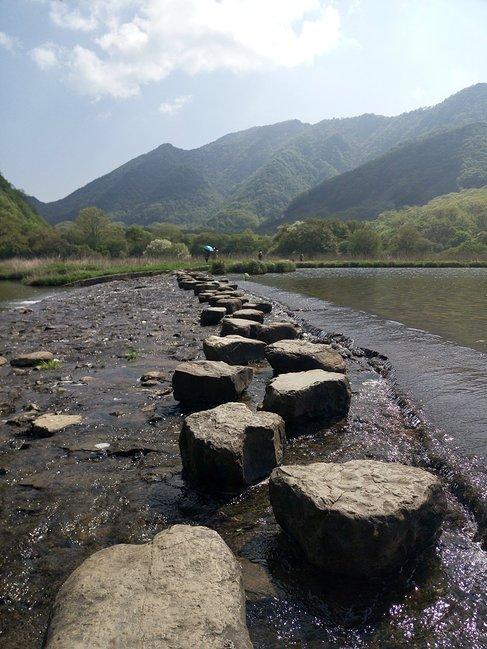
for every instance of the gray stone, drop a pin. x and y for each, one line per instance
(275, 331)
(49, 424)
(249, 314)
(209, 383)
(187, 284)
(231, 447)
(302, 355)
(205, 296)
(3, 361)
(240, 327)
(231, 304)
(204, 286)
(361, 518)
(308, 395)
(212, 315)
(266, 307)
(32, 359)
(235, 350)
(183, 589)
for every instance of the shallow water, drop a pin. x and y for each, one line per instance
(386, 311)
(14, 294)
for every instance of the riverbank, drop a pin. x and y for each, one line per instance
(65, 496)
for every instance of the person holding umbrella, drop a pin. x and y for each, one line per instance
(209, 250)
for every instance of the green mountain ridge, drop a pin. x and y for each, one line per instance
(256, 172)
(411, 174)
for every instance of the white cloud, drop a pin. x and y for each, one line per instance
(9, 43)
(135, 42)
(171, 107)
(46, 56)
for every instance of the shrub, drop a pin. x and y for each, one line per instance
(218, 267)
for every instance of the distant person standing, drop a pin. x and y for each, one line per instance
(260, 255)
(301, 257)
(209, 250)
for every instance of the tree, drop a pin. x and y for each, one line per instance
(138, 238)
(92, 225)
(410, 241)
(364, 241)
(158, 248)
(310, 237)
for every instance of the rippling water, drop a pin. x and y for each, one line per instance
(431, 323)
(15, 294)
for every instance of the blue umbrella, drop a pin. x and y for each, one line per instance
(208, 248)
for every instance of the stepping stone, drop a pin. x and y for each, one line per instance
(302, 355)
(183, 589)
(205, 296)
(187, 284)
(231, 447)
(249, 314)
(204, 286)
(32, 359)
(240, 327)
(212, 315)
(275, 331)
(308, 395)
(361, 518)
(266, 307)
(209, 383)
(49, 424)
(231, 304)
(234, 350)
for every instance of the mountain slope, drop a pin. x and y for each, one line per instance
(411, 174)
(257, 171)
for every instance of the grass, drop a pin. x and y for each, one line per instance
(131, 354)
(391, 263)
(252, 267)
(48, 366)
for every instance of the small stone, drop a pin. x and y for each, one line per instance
(153, 377)
(235, 350)
(249, 314)
(301, 355)
(183, 589)
(230, 447)
(32, 359)
(362, 518)
(48, 424)
(308, 395)
(3, 361)
(212, 315)
(209, 383)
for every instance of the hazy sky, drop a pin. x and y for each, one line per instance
(88, 84)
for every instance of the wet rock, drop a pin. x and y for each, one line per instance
(205, 297)
(231, 304)
(275, 331)
(212, 315)
(204, 286)
(187, 284)
(209, 383)
(231, 447)
(234, 350)
(256, 581)
(308, 395)
(48, 424)
(302, 355)
(266, 307)
(183, 589)
(360, 518)
(152, 378)
(3, 361)
(249, 314)
(32, 359)
(21, 419)
(240, 327)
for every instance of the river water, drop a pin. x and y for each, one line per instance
(431, 323)
(14, 294)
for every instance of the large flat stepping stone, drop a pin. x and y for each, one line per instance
(204, 286)
(234, 350)
(231, 447)
(308, 395)
(249, 314)
(205, 296)
(49, 424)
(231, 304)
(187, 284)
(302, 355)
(212, 315)
(271, 333)
(361, 518)
(32, 359)
(240, 327)
(209, 383)
(183, 589)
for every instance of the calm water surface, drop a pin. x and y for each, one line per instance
(431, 323)
(14, 294)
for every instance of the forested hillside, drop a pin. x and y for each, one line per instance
(21, 228)
(411, 174)
(257, 172)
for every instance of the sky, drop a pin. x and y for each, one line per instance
(86, 85)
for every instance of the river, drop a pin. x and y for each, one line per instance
(430, 322)
(14, 294)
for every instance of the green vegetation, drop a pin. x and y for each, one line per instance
(131, 354)
(245, 179)
(409, 175)
(252, 267)
(49, 366)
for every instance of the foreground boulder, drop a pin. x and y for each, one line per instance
(183, 589)
(234, 350)
(32, 359)
(302, 355)
(49, 424)
(231, 447)
(212, 315)
(249, 314)
(361, 518)
(209, 383)
(308, 395)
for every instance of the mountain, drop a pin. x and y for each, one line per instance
(411, 174)
(18, 220)
(256, 172)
